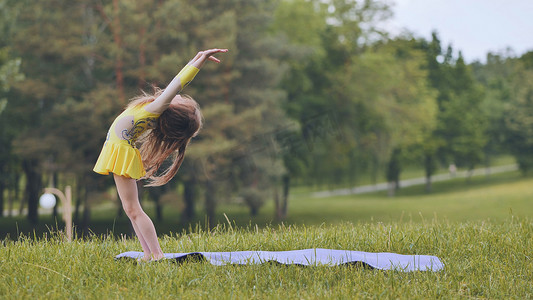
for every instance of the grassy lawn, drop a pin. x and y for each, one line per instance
(482, 230)
(482, 260)
(495, 198)
(482, 198)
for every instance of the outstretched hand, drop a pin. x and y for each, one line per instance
(200, 58)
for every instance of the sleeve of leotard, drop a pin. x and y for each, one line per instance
(186, 75)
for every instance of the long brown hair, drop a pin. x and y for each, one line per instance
(172, 132)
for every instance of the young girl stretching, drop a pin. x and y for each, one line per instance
(168, 122)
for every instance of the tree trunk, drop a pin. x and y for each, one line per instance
(428, 183)
(33, 189)
(10, 196)
(14, 193)
(254, 210)
(54, 184)
(140, 191)
(2, 188)
(469, 174)
(392, 189)
(118, 202)
(210, 203)
(155, 195)
(114, 24)
(277, 204)
(374, 169)
(282, 202)
(393, 172)
(22, 202)
(429, 167)
(352, 172)
(86, 209)
(286, 179)
(158, 210)
(79, 188)
(189, 195)
(118, 43)
(142, 58)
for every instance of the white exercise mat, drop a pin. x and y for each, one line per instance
(311, 257)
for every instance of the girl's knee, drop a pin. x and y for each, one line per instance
(133, 211)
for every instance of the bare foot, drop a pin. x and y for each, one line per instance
(143, 259)
(156, 257)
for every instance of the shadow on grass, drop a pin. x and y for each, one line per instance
(14, 227)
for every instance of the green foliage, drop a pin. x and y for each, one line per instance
(496, 79)
(462, 118)
(519, 120)
(507, 105)
(460, 134)
(301, 22)
(311, 92)
(321, 82)
(9, 71)
(9, 65)
(10, 75)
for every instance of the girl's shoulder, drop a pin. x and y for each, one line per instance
(139, 111)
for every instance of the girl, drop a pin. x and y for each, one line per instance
(170, 121)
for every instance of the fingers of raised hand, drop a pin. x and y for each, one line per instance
(208, 54)
(212, 58)
(213, 51)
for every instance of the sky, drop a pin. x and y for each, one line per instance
(475, 27)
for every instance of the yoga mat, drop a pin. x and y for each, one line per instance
(309, 257)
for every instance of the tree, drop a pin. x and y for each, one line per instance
(463, 124)
(459, 136)
(301, 23)
(519, 114)
(239, 98)
(9, 75)
(320, 88)
(495, 76)
(55, 124)
(393, 81)
(433, 142)
(256, 92)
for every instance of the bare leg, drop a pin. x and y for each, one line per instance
(144, 245)
(143, 226)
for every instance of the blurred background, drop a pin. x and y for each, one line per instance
(317, 103)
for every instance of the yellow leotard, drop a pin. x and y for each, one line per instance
(119, 154)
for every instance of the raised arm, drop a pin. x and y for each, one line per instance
(181, 80)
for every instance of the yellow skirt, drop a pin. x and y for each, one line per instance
(120, 159)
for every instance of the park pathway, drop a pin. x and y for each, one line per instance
(414, 181)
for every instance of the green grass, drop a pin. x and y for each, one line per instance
(481, 198)
(482, 230)
(482, 260)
